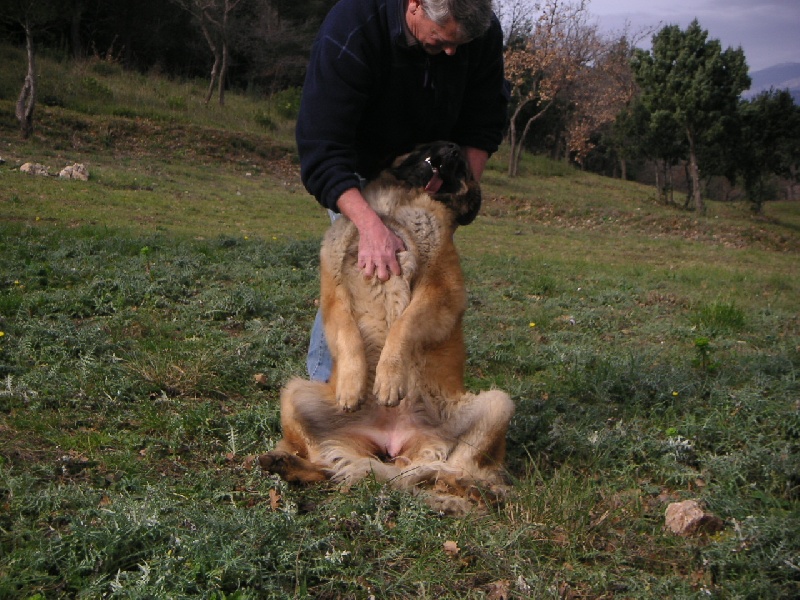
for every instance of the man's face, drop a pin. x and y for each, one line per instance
(432, 37)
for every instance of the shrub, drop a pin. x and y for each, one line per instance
(263, 119)
(287, 103)
(97, 89)
(718, 317)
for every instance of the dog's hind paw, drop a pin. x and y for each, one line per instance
(291, 467)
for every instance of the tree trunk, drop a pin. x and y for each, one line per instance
(694, 171)
(223, 73)
(658, 180)
(689, 185)
(27, 96)
(76, 15)
(217, 60)
(670, 179)
(513, 155)
(518, 144)
(623, 164)
(223, 70)
(212, 83)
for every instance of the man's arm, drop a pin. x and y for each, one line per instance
(377, 244)
(477, 159)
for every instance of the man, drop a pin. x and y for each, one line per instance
(384, 76)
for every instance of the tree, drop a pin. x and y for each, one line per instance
(543, 64)
(213, 17)
(30, 15)
(517, 18)
(599, 92)
(770, 144)
(688, 80)
(274, 40)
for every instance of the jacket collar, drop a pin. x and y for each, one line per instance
(398, 28)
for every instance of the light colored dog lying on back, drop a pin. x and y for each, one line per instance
(395, 406)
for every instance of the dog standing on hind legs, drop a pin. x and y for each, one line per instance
(395, 405)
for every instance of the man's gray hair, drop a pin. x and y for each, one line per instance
(473, 16)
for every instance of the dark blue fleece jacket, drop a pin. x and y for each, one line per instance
(369, 97)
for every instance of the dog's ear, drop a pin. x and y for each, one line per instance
(469, 204)
(466, 204)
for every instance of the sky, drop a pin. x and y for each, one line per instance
(767, 30)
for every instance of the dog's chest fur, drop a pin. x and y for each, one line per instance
(376, 305)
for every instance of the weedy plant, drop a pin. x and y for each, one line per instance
(150, 316)
(703, 359)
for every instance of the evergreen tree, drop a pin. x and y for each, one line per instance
(770, 130)
(689, 84)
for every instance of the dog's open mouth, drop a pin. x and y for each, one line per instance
(436, 181)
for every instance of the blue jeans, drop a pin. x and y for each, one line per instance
(319, 361)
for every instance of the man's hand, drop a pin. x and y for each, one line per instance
(377, 244)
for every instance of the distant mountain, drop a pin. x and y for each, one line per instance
(779, 77)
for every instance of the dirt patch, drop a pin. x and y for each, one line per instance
(657, 222)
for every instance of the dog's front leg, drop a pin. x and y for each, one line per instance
(430, 318)
(346, 345)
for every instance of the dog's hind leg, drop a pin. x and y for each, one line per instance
(309, 414)
(353, 460)
(478, 424)
(291, 467)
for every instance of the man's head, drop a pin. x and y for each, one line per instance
(443, 25)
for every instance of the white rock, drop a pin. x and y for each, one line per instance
(76, 171)
(34, 169)
(687, 517)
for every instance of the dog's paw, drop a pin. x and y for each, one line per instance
(351, 384)
(277, 462)
(350, 394)
(349, 402)
(291, 468)
(390, 385)
(273, 462)
(453, 506)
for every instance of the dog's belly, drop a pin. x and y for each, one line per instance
(390, 429)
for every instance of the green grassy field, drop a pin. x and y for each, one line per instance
(652, 354)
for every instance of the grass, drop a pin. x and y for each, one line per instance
(652, 355)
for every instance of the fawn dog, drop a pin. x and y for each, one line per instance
(395, 405)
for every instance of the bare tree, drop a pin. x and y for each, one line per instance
(517, 18)
(213, 18)
(275, 44)
(30, 15)
(26, 101)
(541, 66)
(599, 92)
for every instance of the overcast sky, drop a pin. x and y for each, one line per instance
(767, 30)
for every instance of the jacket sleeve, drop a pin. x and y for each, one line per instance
(484, 115)
(335, 93)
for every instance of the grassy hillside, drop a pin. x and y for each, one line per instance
(652, 355)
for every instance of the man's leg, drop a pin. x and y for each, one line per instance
(319, 362)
